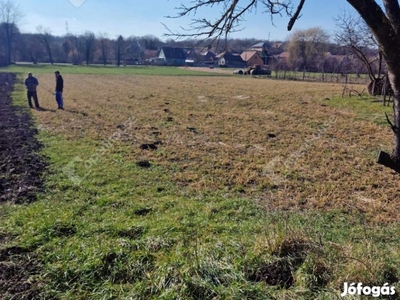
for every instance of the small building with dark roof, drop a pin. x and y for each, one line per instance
(262, 46)
(252, 58)
(207, 57)
(172, 56)
(228, 59)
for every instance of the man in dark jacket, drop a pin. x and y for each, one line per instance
(31, 83)
(59, 90)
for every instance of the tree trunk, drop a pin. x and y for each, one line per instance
(386, 160)
(103, 51)
(396, 116)
(49, 52)
(87, 57)
(393, 161)
(9, 43)
(386, 29)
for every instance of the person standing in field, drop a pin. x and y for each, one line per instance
(59, 90)
(31, 83)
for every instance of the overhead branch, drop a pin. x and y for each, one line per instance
(296, 15)
(361, 56)
(184, 10)
(222, 26)
(228, 21)
(379, 24)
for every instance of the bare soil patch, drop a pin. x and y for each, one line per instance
(210, 70)
(21, 165)
(17, 268)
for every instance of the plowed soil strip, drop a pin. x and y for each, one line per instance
(20, 163)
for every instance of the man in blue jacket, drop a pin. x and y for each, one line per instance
(59, 89)
(31, 83)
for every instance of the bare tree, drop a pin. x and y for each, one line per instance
(383, 22)
(71, 49)
(133, 49)
(104, 46)
(306, 48)
(353, 34)
(67, 49)
(45, 37)
(74, 48)
(30, 48)
(10, 16)
(119, 49)
(150, 42)
(89, 44)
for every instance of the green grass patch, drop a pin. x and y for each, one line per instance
(367, 108)
(116, 235)
(106, 70)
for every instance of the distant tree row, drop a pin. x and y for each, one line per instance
(88, 47)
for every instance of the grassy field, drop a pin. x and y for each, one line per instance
(169, 183)
(114, 70)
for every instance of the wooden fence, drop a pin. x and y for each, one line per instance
(321, 77)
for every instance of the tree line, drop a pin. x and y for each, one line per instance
(88, 48)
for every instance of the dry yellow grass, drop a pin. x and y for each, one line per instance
(214, 134)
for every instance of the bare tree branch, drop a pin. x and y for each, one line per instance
(394, 128)
(46, 38)
(231, 17)
(353, 33)
(296, 15)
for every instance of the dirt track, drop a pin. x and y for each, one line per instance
(20, 180)
(210, 70)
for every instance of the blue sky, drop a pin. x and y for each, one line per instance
(128, 17)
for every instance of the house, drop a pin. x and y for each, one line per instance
(284, 56)
(191, 54)
(156, 61)
(276, 45)
(148, 55)
(207, 57)
(260, 47)
(266, 50)
(276, 48)
(229, 59)
(172, 56)
(133, 53)
(252, 58)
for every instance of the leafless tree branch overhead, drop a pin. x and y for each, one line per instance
(232, 14)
